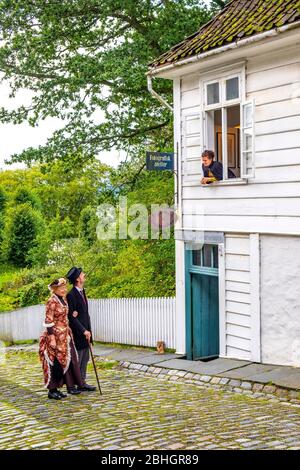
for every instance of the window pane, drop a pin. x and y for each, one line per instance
(247, 140)
(214, 132)
(207, 256)
(233, 139)
(213, 93)
(215, 257)
(232, 88)
(248, 118)
(197, 257)
(247, 156)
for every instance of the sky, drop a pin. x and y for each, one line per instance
(15, 138)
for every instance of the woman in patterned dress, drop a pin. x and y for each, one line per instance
(57, 351)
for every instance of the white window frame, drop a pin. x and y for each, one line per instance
(244, 152)
(186, 159)
(222, 91)
(221, 76)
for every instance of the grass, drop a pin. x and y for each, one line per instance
(131, 346)
(104, 364)
(96, 343)
(20, 343)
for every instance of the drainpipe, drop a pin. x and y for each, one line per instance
(156, 95)
(167, 105)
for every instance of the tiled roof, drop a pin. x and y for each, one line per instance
(239, 19)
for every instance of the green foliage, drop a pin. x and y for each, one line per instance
(24, 196)
(8, 301)
(217, 5)
(81, 57)
(140, 270)
(38, 254)
(116, 268)
(87, 225)
(33, 293)
(3, 200)
(8, 287)
(22, 228)
(63, 190)
(62, 228)
(17, 286)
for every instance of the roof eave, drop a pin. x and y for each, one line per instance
(162, 70)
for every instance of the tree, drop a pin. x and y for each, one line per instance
(24, 196)
(85, 61)
(87, 225)
(3, 201)
(217, 5)
(24, 224)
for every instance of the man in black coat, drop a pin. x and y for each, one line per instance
(80, 322)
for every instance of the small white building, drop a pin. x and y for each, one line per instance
(237, 92)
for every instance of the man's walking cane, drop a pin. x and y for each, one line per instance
(95, 369)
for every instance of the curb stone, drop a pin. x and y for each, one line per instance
(272, 393)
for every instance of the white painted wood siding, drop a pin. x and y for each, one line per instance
(241, 332)
(271, 202)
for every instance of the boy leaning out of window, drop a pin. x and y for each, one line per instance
(212, 170)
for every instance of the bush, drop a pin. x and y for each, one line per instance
(25, 196)
(34, 293)
(3, 200)
(26, 286)
(8, 302)
(20, 235)
(38, 255)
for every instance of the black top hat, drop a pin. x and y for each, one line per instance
(74, 274)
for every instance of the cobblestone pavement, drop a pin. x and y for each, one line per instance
(136, 412)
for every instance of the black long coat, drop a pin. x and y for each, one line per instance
(82, 322)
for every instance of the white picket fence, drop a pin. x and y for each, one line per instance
(135, 321)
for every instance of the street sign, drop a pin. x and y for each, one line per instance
(160, 161)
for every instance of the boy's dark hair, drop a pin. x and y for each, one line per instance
(209, 154)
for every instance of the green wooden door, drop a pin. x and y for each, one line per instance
(205, 316)
(202, 303)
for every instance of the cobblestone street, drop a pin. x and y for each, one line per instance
(136, 412)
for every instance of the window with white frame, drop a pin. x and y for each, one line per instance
(229, 125)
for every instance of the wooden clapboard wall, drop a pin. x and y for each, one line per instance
(237, 296)
(239, 283)
(270, 203)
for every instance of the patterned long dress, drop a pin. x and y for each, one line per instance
(59, 361)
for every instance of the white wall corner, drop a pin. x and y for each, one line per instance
(255, 297)
(222, 301)
(180, 323)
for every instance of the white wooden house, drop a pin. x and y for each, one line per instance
(237, 92)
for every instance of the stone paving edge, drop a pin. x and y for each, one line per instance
(255, 389)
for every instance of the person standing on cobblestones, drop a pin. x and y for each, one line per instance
(80, 322)
(56, 349)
